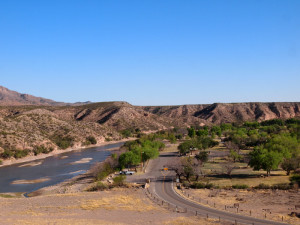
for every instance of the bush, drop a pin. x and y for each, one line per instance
(186, 184)
(91, 140)
(21, 153)
(41, 149)
(1, 162)
(103, 170)
(119, 180)
(240, 186)
(283, 186)
(63, 142)
(295, 179)
(7, 154)
(263, 186)
(99, 186)
(200, 185)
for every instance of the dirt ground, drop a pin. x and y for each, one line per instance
(269, 204)
(116, 206)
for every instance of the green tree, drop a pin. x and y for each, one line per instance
(191, 132)
(217, 130)
(185, 147)
(129, 159)
(289, 165)
(261, 158)
(202, 157)
(235, 156)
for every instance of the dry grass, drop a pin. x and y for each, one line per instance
(117, 202)
(190, 221)
(61, 222)
(251, 182)
(171, 148)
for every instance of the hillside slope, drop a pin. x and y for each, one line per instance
(27, 121)
(229, 112)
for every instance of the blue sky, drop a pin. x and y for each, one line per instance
(152, 52)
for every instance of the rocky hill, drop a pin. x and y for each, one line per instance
(228, 112)
(27, 121)
(9, 97)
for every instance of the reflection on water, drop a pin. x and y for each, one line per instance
(28, 177)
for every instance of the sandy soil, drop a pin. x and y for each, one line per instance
(57, 152)
(269, 204)
(117, 206)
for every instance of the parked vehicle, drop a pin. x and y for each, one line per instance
(126, 172)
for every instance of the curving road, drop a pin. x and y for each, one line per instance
(162, 186)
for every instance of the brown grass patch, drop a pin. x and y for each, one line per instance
(189, 221)
(119, 202)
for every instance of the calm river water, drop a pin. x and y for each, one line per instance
(52, 170)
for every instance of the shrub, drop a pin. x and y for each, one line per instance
(41, 149)
(63, 142)
(7, 154)
(104, 170)
(99, 186)
(126, 133)
(200, 185)
(1, 162)
(263, 186)
(240, 186)
(295, 179)
(91, 140)
(283, 186)
(119, 180)
(21, 153)
(186, 184)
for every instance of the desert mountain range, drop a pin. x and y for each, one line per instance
(27, 121)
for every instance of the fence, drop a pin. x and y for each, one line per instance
(174, 208)
(232, 209)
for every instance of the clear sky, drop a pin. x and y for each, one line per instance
(152, 52)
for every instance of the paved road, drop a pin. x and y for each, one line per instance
(162, 186)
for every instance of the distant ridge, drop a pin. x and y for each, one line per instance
(122, 115)
(27, 121)
(13, 98)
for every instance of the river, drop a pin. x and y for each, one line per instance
(31, 176)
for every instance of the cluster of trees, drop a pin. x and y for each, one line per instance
(189, 167)
(171, 135)
(282, 149)
(273, 143)
(131, 132)
(139, 151)
(196, 143)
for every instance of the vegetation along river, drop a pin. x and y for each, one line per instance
(30, 176)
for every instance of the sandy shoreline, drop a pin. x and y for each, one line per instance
(57, 152)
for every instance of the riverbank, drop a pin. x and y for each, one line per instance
(55, 152)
